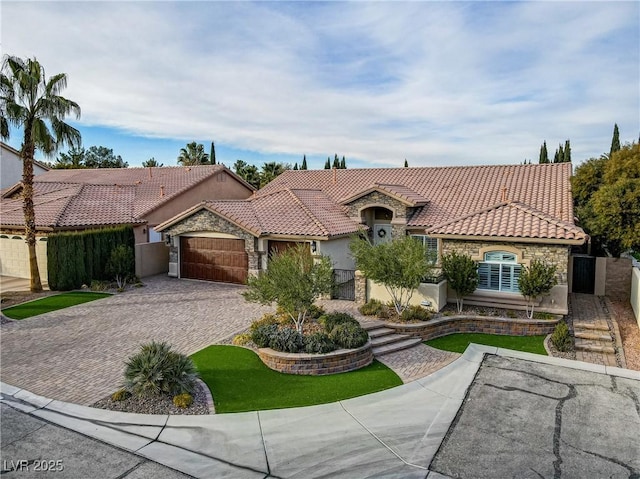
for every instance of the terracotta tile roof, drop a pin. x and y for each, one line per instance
(451, 191)
(66, 198)
(510, 220)
(285, 212)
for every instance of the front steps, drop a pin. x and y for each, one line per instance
(385, 340)
(594, 337)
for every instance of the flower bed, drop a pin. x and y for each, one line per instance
(334, 362)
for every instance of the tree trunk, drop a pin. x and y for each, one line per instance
(29, 211)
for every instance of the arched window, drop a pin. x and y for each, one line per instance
(499, 272)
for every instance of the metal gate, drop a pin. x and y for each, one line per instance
(584, 274)
(344, 284)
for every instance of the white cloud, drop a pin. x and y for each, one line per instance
(437, 83)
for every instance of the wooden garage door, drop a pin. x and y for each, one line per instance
(214, 259)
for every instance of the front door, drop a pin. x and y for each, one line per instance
(381, 233)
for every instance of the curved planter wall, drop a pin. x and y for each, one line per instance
(338, 361)
(475, 324)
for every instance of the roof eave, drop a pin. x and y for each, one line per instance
(514, 239)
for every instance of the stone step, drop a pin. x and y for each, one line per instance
(597, 326)
(388, 339)
(593, 336)
(369, 325)
(380, 331)
(399, 346)
(594, 346)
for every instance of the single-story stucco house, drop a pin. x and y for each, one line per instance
(503, 216)
(80, 199)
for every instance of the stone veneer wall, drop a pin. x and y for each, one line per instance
(317, 364)
(373, 199)
(475, 324)
(557, 255)
(205, 220)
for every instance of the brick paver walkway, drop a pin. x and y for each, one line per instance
(417, 362)
(76, 354)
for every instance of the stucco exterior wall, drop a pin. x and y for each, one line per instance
(338, 251)
(206, 222)
(14, 257)
(222, 186)
(635, 293)
(11, 167)
(430, 295)
(151, 258)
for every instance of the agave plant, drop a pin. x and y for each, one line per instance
(155, 369)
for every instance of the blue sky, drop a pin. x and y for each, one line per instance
(437, 83)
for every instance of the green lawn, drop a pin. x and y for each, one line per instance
(459, 342)
(239, 381)
(51, 303)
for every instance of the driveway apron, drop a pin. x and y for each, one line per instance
(77, 354)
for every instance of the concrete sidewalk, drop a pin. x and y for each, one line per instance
(393, 433)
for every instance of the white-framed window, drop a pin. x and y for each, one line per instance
(431, 245)
(499, 272)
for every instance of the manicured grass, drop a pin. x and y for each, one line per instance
(51, 303)
(459, 342)
(239, 381)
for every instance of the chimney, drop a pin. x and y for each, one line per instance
(504, 194)
(335, 175)
(161, 190)
(150, 172)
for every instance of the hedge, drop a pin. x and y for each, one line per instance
(76, 258)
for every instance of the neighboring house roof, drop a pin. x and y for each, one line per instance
(509, 220)
(285, 212)
(86, 197)
(451, 191)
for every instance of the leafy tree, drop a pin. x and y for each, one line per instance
(103, 157)
(615, 140)
(304, 163)
(73, 159)
(212, 155)
(544, 155)
(151, 162)
(535, 281)
(398, 265)
(406, 164)
(270, 171)
(294, 281)
(121, 265)
(32, 102)
(461, 273)
(343, 163)
(327, 165)
(193, 154)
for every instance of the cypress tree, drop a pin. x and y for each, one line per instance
(304, 163)
(295, 167)
(406, 164)
(343, 163)
(567, 151)
(212, 156)
(327, 165)
(336, 162)
(615, 141)
(555, 157)
(544, 154)
(560, 154)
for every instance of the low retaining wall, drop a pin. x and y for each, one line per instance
(635, 293)
(338, 361)
(475, 324)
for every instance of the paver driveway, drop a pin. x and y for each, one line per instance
(76, 354)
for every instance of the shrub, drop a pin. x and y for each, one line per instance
(155, 369)
(315, 312)
(511, 314)
(461, 272)
(97, 285)
(261, 335)
(183, 401)
(287, 340)
(121, 265)
(266, 320)
(561, 338)
(349, 335)
(373, 307)
(318, 343)
(331, 320)
(543, 315)
(120, 395)
(241, 339)
(415, 313)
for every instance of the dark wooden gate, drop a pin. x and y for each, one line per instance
(344, 284)
(584, 274)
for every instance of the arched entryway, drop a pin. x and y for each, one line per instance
(378, 219)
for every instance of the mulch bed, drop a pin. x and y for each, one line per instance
(623, 315)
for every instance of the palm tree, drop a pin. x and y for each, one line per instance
(151, 162)
(193, 155)
(270, 170)
(34, 103)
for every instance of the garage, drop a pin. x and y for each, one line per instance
(214, 259)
